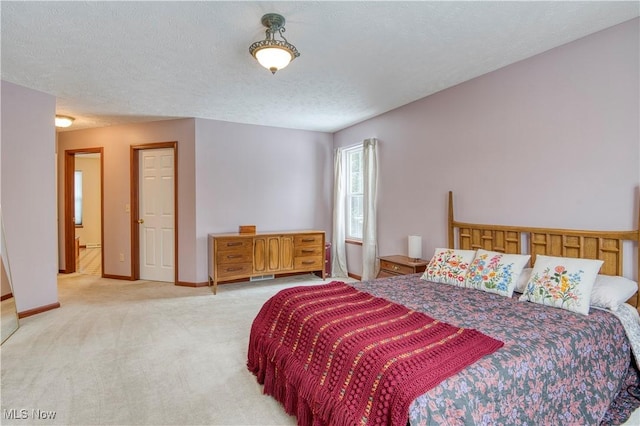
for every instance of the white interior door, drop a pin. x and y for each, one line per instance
(156, 205)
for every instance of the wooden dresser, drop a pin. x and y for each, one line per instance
(241, 256)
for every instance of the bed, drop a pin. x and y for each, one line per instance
(495, 359)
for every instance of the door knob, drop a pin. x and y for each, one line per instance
(140, 220)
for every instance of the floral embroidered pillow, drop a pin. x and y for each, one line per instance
(449, 266)
(495, 272)
(562, 283)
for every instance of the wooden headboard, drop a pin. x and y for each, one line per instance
(604, 245)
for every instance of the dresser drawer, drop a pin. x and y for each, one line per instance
(234, 244)
(308, 251)
(234, 269)
(312, 263)
(308, 240)
(395, 268)
(228, 257)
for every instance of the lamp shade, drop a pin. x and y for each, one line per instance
(64, 120)
(273, 58)
(415, 246)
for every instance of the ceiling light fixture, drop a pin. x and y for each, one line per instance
(271, 53)
(64, 120)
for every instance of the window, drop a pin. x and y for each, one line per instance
(77, 196)
(354, 192)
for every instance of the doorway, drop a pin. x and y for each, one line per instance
(154, 227)
(83, 212)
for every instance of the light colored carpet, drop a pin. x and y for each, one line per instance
(133, 353)
(141, 352)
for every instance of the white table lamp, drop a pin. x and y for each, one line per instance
(415, 247)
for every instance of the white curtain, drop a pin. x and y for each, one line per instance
(339, 249)
(370, 261)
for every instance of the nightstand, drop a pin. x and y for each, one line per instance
(391, 266)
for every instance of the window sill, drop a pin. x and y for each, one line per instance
(354, 242)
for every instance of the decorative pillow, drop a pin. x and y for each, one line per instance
(562, 282)
(449, 266)
(612, 291)
(495, 272)
(523, 279)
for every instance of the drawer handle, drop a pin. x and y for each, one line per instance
(233, 269)
(234, 256)
(236, 243)
(308, 262)
(308, 240)
(308, 251)
(396, 268)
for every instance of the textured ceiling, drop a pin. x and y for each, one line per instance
(120, 62)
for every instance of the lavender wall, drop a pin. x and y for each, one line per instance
(116, 141)
(551, 141)
(228, 174)
(28, 194)
(277, 179)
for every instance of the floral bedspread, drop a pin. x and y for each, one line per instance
(556, 367)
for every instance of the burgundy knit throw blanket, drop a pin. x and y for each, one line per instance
(333, 355)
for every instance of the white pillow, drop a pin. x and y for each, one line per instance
(495, 272)
(612, 291)
(449, 266)
(523, 279)
(562, 282)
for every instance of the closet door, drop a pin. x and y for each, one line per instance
(156, 214)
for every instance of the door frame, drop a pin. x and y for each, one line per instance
(135, 204)
(69, 207)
